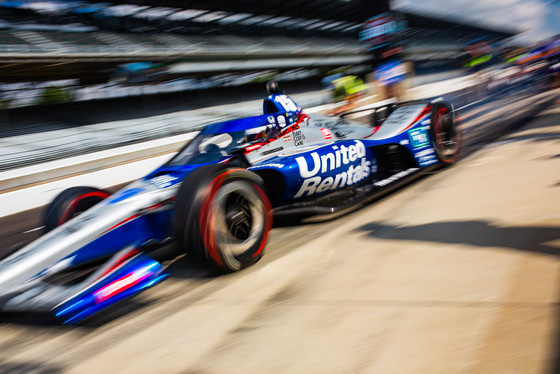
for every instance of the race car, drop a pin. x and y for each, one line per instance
(216, 198)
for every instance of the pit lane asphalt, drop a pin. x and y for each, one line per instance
(455, 273)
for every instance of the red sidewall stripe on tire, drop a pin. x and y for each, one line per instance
(206, 219)
(439, 122)
(268, 218)
(438, 126)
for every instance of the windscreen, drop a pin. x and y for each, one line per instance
(210, 147)
(205, 148)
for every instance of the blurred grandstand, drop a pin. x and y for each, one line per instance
(96, 50)
(74, 33)
(70, 50)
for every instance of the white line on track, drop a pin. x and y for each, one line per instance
(33, 230)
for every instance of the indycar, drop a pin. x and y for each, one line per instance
(216, 198)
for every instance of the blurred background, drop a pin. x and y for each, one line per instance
(74, 51)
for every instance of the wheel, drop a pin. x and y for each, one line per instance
(445, 134)
(223, 217)
(70, 203)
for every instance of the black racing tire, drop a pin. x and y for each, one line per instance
(71, 203)
(222, 217)
(445, 133)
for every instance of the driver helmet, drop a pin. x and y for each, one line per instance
(272, 88)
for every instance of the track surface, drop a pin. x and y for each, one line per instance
(457, 273)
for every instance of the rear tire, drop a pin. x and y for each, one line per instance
(223, 217)
(445, 134)
(71, 203)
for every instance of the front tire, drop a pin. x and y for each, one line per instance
(71, 203)
(223, 217)
(445, 134)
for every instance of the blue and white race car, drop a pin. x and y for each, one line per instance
(217, 197)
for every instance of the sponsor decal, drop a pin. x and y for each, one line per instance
(298, 137)
(271, 119)
(419, 137)
(281, 121)
(272, 151)
(350, 162)
(287, 138)
(266, 166)
(326, 133)
(163, 181)
(425, 152)
(395, 177)
(426, 157)
(404, 142)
